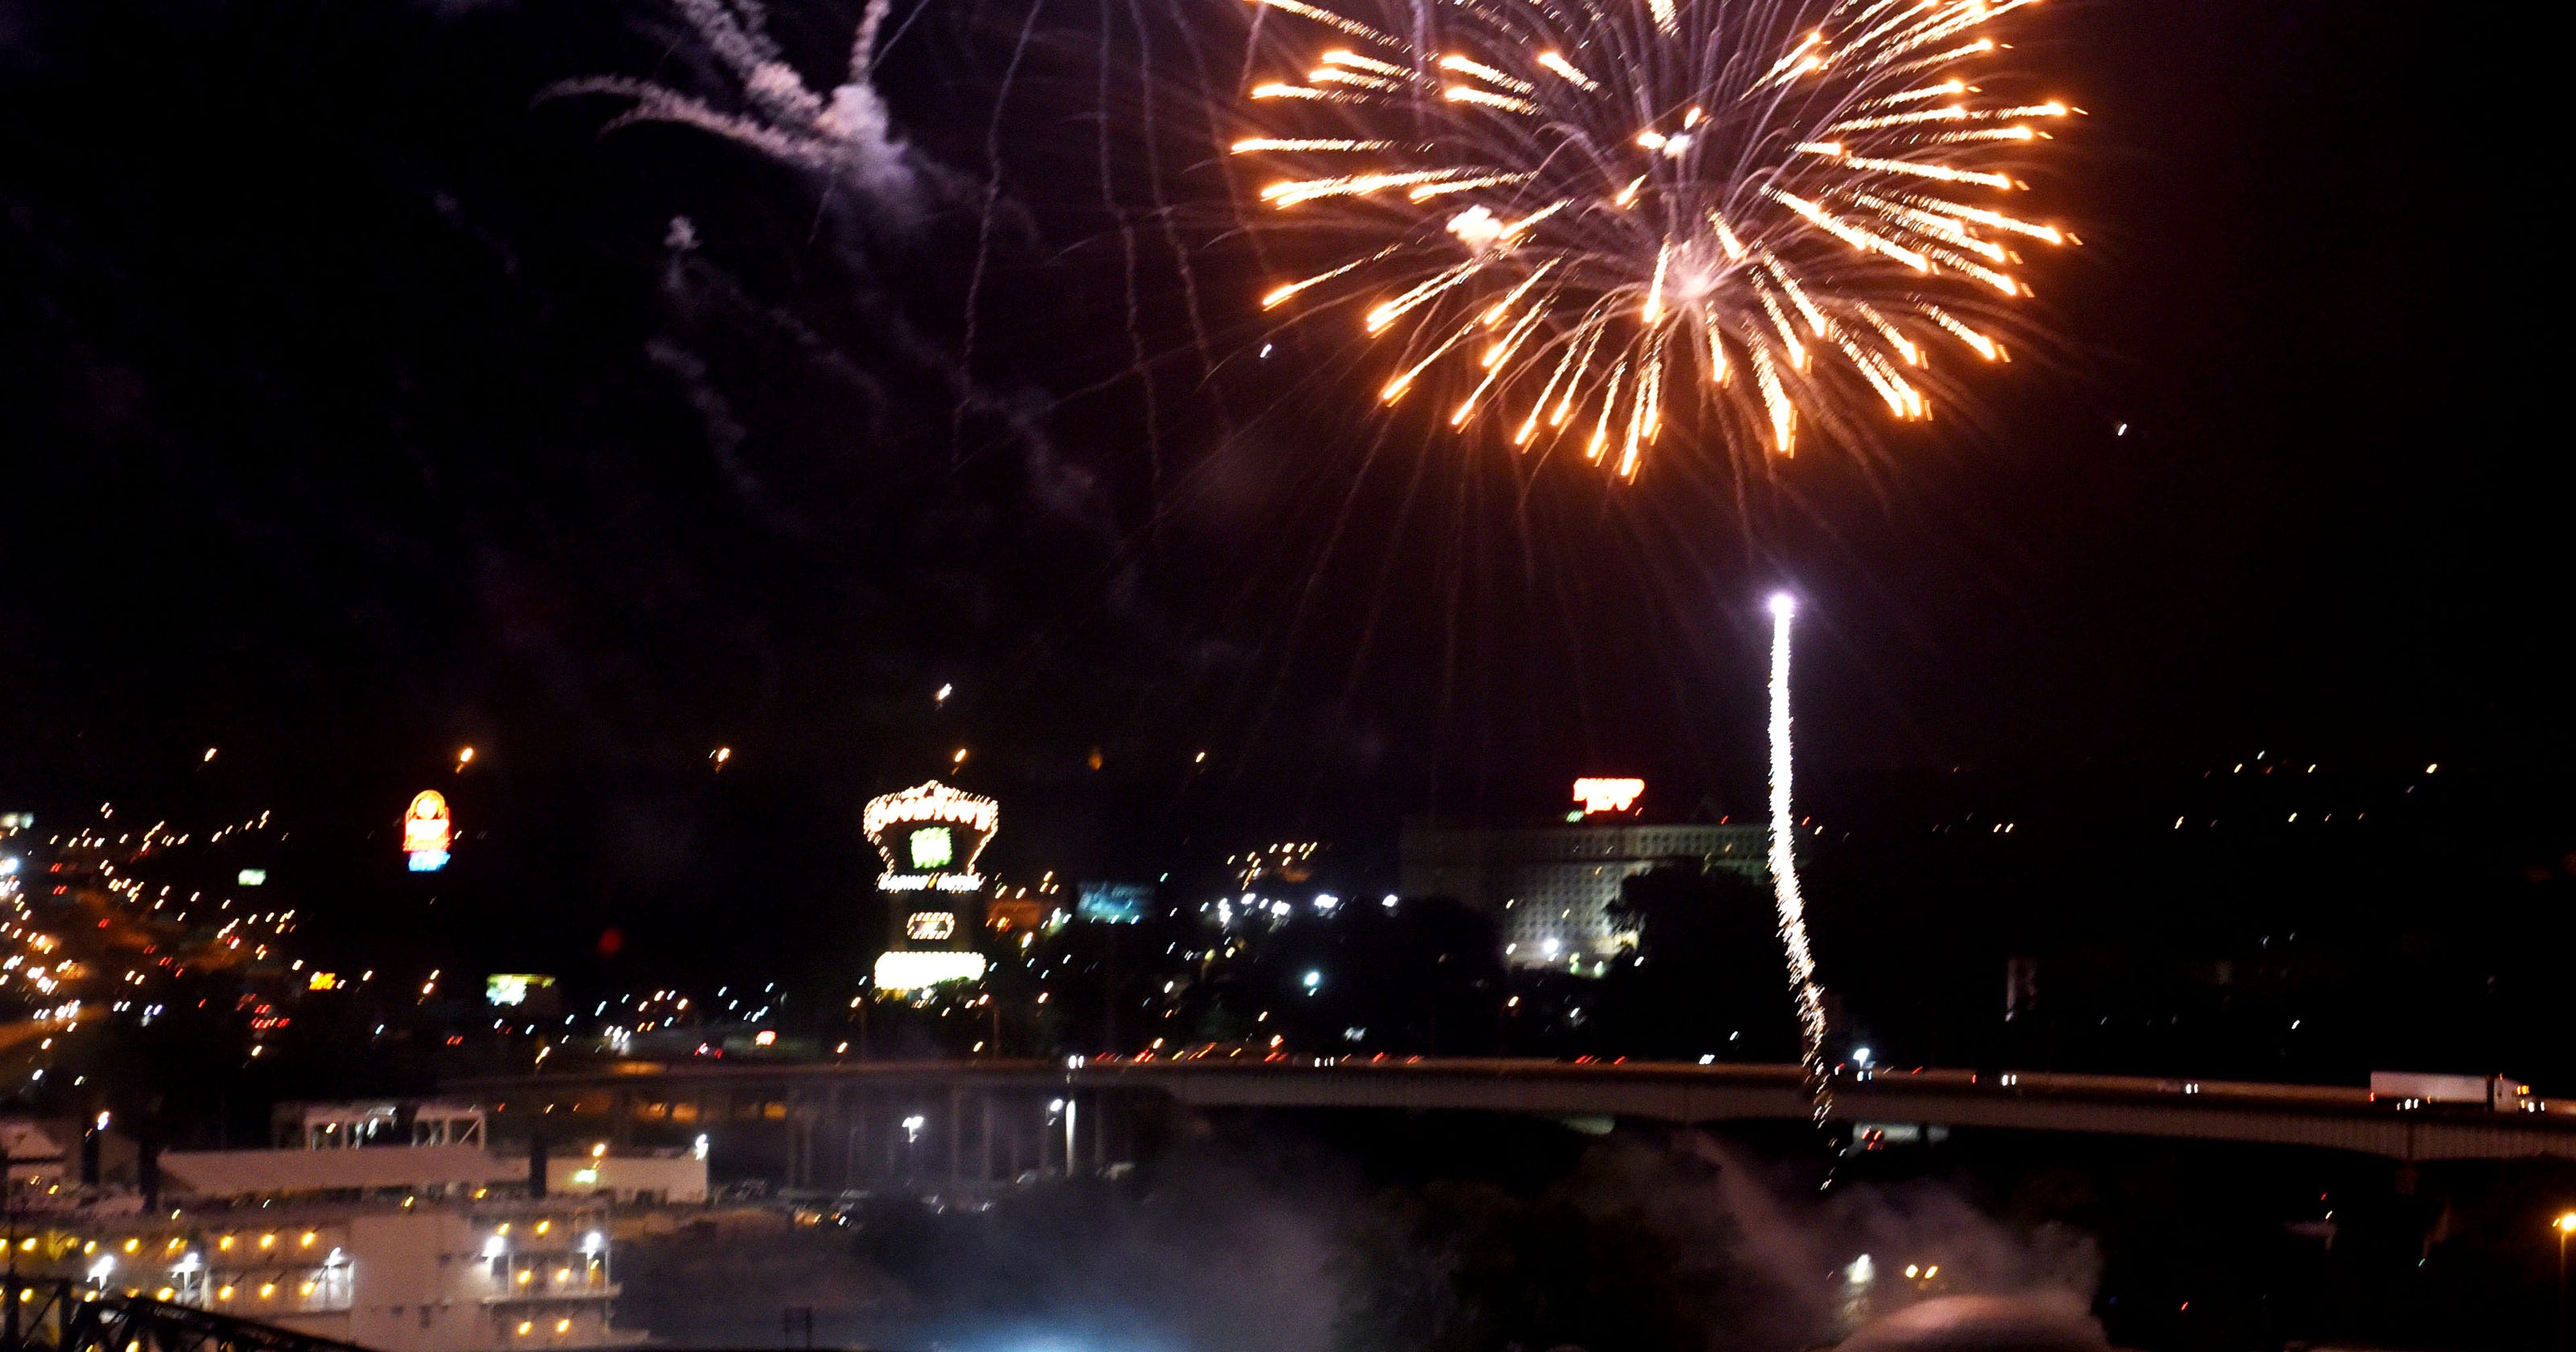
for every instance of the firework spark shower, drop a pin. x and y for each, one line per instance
(1589, 222)
(1791, 904)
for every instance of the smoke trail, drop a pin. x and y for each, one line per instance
(1784, 870)
(843, 132)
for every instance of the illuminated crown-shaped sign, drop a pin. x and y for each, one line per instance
(930, 836)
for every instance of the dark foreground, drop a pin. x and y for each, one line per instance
(1377, 1232)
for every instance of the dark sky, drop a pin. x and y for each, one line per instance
(358, 407)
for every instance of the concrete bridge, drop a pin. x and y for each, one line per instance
(854, 1124)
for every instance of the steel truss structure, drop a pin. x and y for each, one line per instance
(55, 1315)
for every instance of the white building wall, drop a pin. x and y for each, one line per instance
(524, 1276)
(1550, 889)
(234, 1173)
(675, 1178)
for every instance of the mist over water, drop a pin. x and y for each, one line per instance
(1282, 1245)
(2048, 1322)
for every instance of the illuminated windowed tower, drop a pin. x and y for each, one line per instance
(930, 836)
(1553, 888)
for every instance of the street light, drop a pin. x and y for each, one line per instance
(2565, 1225)
(912, 1145)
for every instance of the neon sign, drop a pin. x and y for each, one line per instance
(933, 847)
(930, 836)
(930, 882)
(931, 802)
(514, 988)
(1608, 795)
(428, 831)
(920, 970)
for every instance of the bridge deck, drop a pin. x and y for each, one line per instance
(2324, 1116)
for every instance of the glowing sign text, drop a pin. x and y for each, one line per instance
(930, 882)
(1608, 795)
(931, 802)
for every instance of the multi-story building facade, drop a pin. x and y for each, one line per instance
(1551, 888)
(426, 1277)
(390, 1226)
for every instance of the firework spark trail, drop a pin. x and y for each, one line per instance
(992, 203)
(1809, 190)
(1791, 905)
(1143, 367)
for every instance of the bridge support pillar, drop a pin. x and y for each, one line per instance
(984, 1105)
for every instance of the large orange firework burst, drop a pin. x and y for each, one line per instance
(1588, 221)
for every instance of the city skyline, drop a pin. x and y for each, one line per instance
(951, 661)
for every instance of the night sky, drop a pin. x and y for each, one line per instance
(361, 405)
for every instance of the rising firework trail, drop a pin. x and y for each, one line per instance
(1590, 221)
(1792, 907)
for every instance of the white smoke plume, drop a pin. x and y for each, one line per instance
(2049, 1322)
(1839, 1260)
(843, 132)
(1248, 1247)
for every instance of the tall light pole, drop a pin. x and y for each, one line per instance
(2565, 1225)
(1792, 906)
